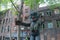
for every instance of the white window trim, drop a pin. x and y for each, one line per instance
(50, 24)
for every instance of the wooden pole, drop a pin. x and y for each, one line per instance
(19, 18)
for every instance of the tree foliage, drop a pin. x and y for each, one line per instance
(27, 2)
(32, 2)
(4, 1)
(3, 12)
(53, 3)
(5, 4)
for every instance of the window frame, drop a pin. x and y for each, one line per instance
(56, 11)
(50, 24)
(57, 22)
(49, 13)
(42, 13)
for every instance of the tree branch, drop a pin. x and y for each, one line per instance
(14, 6)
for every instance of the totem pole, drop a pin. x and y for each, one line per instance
(35, 25)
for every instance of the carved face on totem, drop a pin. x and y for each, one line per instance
(34, 16)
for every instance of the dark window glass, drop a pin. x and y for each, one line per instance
(43, 26)
(48, 13)
(9, 20)
(6, 20)
(8, 28)
(42, 13)
(58, 23)
(0, 21)
(3, 21)
(2, 29)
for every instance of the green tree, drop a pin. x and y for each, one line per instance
(33, 3)
(4, 3)
(53, 3)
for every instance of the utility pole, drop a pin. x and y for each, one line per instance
(20, 19)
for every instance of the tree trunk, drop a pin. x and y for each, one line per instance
(19, 18)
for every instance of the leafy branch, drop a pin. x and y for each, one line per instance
(14, 6)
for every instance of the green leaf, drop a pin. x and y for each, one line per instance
(31, 3)
(54, 6)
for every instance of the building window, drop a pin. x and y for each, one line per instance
(15, 28)
(6, 20)
(2, 29)
(42, 13)
(48, 13)
(42, 27)
(26, 10)
(3, 21)
(0, 21)
(56, 11)
(8, 28)
(50, 25)
(58, 23)
(23, 34)
(9, 20)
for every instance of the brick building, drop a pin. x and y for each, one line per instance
(8, 28)
(7, 25)
(50, 29)
(51, 25)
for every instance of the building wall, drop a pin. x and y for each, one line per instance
(51, 29)
(8, 24)
(51, 26)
